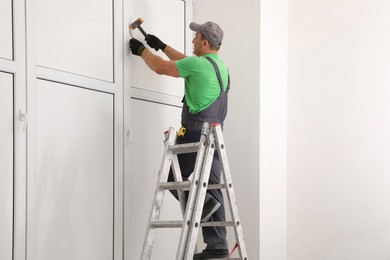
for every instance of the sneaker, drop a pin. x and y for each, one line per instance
(210, 206)
(212, 254)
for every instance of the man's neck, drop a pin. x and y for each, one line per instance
(208, 52)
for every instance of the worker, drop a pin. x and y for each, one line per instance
(207, 84)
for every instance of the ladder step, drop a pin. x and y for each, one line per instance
(186, 185)
(185, 148)
(167, 224)
(215, 186)
(217, 224)
(181, 185)
(179, 224)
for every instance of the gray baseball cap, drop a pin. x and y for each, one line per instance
(211, 31)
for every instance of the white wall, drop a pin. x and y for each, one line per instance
(338, 130)
(273, 129)
(240, 52)
(255, 49)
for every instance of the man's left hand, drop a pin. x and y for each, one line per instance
(155, 42)
(136, 47)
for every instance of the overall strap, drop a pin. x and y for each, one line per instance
(219, 75)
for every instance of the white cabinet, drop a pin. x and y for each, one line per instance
(71, 193)
(6, 29)
(70, 75)
(76, 36)
(6, 165)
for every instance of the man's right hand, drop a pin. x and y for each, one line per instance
(136, 47)
(155, 42)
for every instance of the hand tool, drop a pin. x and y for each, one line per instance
(137, 24)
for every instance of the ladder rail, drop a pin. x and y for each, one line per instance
(230, 191)
(200, 197)
(192, 194)
(178, 179)
(158, 196)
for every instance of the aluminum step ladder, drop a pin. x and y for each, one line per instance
(211, 140)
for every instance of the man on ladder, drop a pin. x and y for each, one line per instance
(206, 88)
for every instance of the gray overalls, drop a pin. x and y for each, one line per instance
(214, 237)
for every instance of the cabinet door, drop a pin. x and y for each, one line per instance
(6, 29)
(6, 165)
(76, 36)
(166, 20)
(149, 121)
(71, 192)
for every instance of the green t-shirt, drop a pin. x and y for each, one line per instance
(201, 82)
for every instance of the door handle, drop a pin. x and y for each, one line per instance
(23, 118)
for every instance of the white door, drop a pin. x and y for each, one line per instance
(76, 36)
(166, 20)
(6, 29)
(152, 106)
(74, 185)
(149, 121)
(71, 194)
(6, 164)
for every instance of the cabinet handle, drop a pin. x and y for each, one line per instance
(23, 118)
(129, 134)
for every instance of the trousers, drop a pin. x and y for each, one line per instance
(213, 237)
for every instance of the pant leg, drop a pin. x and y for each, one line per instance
(215, 237)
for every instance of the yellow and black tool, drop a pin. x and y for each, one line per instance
(182, 132)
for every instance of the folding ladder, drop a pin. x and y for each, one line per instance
(211, 140)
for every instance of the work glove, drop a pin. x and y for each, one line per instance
(155, 42)
(136, 47)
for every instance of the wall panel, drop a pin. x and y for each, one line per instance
(6, 29)
(6, 165)
(71, 193)
(166, 20)
(76, 36)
